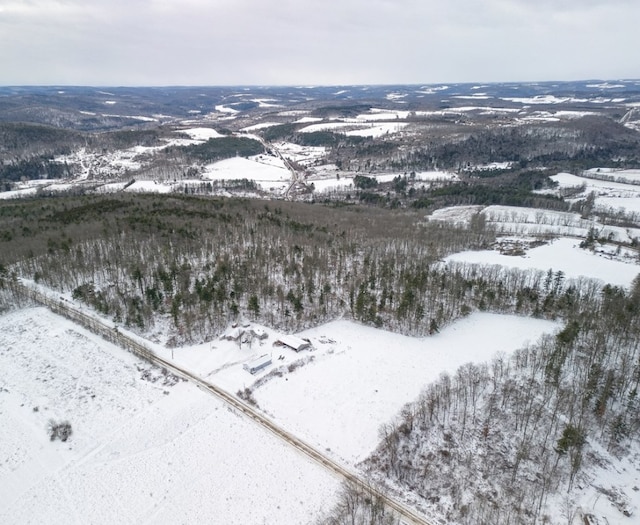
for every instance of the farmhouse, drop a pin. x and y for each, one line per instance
(233, 334)
(257, 364)
(244, 333)
(293, 342)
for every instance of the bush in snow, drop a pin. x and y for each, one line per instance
(60, 430)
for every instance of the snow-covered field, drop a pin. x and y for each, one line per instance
(364, 125)
(511, 220)
(561, 254)
(141, 451)
(269, 173)
(362, 376)
(621, 192)
(201, 134)
(533, 221)
(147, 450)
(327, 180)
(606, 261)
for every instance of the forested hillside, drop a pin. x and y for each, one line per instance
(186, 267)
(496, 442)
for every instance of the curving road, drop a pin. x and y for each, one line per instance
(110, 333)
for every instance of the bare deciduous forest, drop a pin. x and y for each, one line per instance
(203, 263)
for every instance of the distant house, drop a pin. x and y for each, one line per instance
(233, 334)
(257, 364)
(258, 333)
(295, 343)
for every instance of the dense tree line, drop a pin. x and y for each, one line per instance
(144, 259)
(217, 149)
(199, 264)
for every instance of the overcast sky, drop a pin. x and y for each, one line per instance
(265, 42)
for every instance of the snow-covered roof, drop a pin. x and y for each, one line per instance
(233, 333)
(294, 342)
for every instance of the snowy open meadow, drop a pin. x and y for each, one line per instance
(145, 447)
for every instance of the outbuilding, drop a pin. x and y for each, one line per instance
(295, 343)
(257, 364)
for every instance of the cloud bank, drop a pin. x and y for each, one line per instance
(231, 42)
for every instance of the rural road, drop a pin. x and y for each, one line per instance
(110, 333)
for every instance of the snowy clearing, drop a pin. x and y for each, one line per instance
(511, 220)
(383, 114)
(559, 255)
(267, 175)
(202, 134)
(357, 128)
(379, 130)
(364, 376)
(612, 189)
(261, 125)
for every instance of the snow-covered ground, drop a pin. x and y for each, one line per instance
(378, 130)
(563, 254)
(614, 193)
(362, 376)
(267, 172)
(304, 155)
(141, 451)
(366, 127)
(512, 220)
(326, 178)
(260, 125)
(201, 134)
(145, 450)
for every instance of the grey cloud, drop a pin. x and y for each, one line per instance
(314, 41)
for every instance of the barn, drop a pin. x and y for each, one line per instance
(295, 343)
(257, 364)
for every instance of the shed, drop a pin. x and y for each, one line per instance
(257, 364)
(295, 343)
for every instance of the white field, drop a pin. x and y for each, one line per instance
(333, 126)
(629, 175)
(201, 134)
(326, 180)
(304, 155)
(608, 262)
(270, 174)
(545, 99)
(334, 184)
(608, 194)
(362, 127)
(562, 254)
(383, 114)
(225, 109)
(145, 452)
(140, 452)
(149, 186)
(19, 194)
(260, 125)
(363, 376)
(378, 130)
(460, 215)
(510, 220)
(306, 120)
